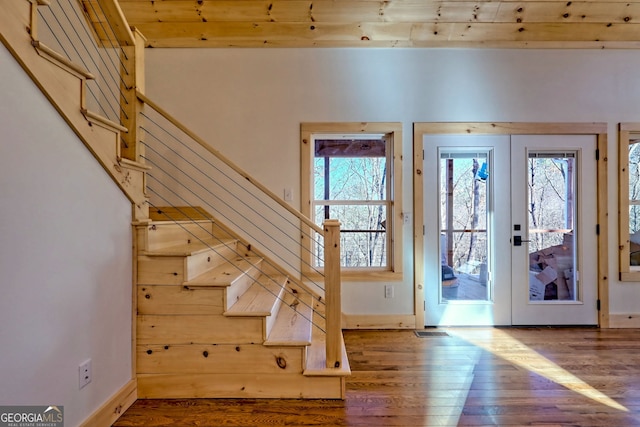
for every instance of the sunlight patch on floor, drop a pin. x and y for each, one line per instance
(503, 345)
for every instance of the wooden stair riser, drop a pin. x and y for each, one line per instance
(203, 329)
(204, 261)
(254, 386)
(175, 270)
(171, 234)
(271, 320)
(179, 299)
(240, 286)
(222, 359)
(178, 213)
(165, 270)
(168, 214)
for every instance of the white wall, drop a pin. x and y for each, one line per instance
(65, 259)
(249, 104)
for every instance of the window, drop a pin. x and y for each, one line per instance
(351, 172)
(629, 199)
(351, 177)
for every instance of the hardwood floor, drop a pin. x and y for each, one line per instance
(464, 377)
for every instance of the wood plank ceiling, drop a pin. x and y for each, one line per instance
(393, 23)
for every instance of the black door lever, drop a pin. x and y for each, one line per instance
(517, 240)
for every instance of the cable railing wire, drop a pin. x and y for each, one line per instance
(226, 190)
(203, 187)
(108, 79)
(80, 58)
(112, 32)
(55, 36)
(95, 89)
(263, 272)
(176, 171)
(173, 177)
(226, 217)
(209, 163)
(101, 56)
(150, 133)
(219, 239)
(91, 57)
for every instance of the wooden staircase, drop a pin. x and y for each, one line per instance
(215, 320)
(64, 84)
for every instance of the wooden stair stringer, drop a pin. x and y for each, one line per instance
(63, 88)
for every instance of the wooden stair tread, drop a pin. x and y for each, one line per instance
(317, 357)
(192, 248)
(225, 274)
(260, 299)
(293, 324)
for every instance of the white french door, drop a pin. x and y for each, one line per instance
(466, 237)
(509, 232)
(554, 203)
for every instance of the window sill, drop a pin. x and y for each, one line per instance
(630, 276)
(362, 276)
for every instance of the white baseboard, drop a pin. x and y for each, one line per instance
(114, 407)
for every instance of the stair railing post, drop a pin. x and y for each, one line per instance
(132, 82)
(333, 293)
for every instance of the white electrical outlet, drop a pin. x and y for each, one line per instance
(288, 195)
(388, 291)
(84, 373)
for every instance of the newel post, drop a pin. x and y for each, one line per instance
(333, 292)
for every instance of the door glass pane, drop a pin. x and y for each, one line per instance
(551, 219)
(464, 253)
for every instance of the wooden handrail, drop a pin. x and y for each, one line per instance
(117, 22)
(103, 120)
(229, 163)
(40, 47)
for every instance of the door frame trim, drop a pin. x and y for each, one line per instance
(599, 130)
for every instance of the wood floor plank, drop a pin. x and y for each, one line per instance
(470, 377)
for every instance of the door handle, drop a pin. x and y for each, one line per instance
(517, 240)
